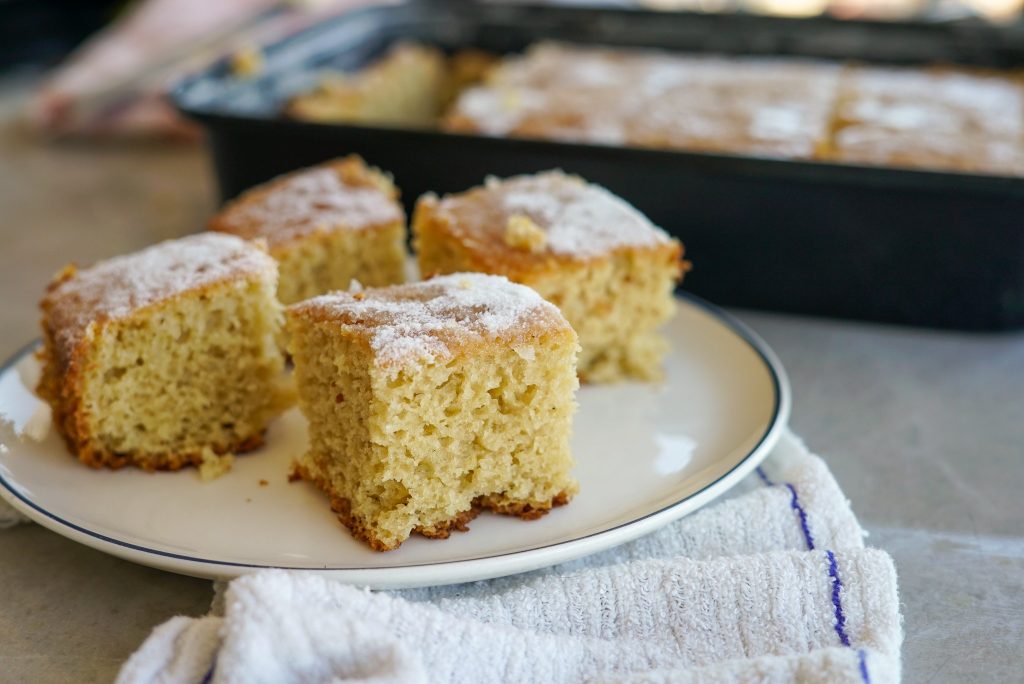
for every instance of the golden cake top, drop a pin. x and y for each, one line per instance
(118, 287)
(343, 194)
(935, 100)
(649, 98)
(859, 143)
(936, 118)
(431, 320)
(526, 222)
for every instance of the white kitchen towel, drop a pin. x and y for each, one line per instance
(771, 585)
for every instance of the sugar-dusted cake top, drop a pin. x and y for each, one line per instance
(343, 194)
(936, 100)
(118, 287)
(860, 143)
(936, 118)
(653, 99)
(429, 320)
(550, 215)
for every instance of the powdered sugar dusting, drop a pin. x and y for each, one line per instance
(306, 202)
(580, 219)
(116, 288)
(419, 322)
(907, 99)
(653, 99)
(781, 107)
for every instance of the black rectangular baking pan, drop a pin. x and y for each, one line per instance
(901, 246)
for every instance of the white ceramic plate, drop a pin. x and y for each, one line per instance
(646, 454)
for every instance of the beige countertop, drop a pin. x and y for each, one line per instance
(923, 429)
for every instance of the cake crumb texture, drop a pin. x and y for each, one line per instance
(425, 406)
(160, 358)
(214, 465)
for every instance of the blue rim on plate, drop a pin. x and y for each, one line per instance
(773, 429)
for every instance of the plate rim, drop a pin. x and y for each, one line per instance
(436, 573)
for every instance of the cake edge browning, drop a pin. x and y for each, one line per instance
(67, 313)
(64, 365)
(353, 171)
(431, 226)
(342, 508)
(61, 389)
(331, 312)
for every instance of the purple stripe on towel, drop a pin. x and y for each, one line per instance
(794, 503)
(862, 659)
(837, 587)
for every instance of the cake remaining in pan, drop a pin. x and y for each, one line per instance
(932, 119)
(405, 88)
(655, 99)
(946, 118)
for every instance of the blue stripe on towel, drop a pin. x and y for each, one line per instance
(833, 573)
(794, 503)
(862, 658)
(837, 604)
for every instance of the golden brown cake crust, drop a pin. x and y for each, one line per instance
(496, 503)
(78, 303)
(117, 288)
(436, 318)
(580, 223)
(98, 458)
(529, 510)
(341, 194)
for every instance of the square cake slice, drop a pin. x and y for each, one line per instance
(325, 225)
(429, 401)
(603, 263)
(166, 357)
